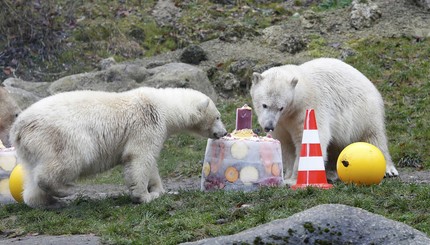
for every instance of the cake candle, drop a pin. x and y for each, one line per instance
(244, 117)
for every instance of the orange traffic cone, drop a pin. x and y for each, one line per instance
(311, 170)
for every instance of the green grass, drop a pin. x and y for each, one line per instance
(400, 68)
(194, 215)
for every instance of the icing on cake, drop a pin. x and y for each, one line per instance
(242, 160)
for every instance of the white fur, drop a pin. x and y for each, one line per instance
(348, 109)
(74, 134)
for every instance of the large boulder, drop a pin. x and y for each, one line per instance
(26, 93)
(364, 14)
(114, 77)
(181, 75)
(423, 3)
(327, 224)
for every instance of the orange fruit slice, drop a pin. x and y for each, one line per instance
(275, 170)
(231, 174)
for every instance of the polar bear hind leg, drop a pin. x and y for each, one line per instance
(379, 140)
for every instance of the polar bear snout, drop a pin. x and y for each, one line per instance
(218, 135)
(269, 127)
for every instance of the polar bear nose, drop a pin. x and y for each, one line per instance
(216, 135)
(269, 128)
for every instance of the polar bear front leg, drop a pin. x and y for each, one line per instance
(142, 177)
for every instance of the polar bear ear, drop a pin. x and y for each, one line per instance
(256, 77)
(294, 82)
(203, 105)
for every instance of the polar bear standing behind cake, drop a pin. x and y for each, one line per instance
(347, 105)
(242, 160)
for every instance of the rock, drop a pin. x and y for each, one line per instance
(273, 35)
(224, 2)
(193, 54)
(106, 63)
(424, 3)
(292, 44)
(123, 77)
(310, 19)
(63, 239)
(225, 84)
(26, 93)
(166, 13)
(181, 75)
(327, 224)
(117, 78)
(243, 70)
(364, 14)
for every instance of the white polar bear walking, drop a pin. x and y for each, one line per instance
(348, 109)
(74, 134)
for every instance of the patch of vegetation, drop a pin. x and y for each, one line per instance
(318, 47)
(46, 40)
(193, 215)
(334, 4)
(400, 68)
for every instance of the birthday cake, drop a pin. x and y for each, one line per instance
(242, 160)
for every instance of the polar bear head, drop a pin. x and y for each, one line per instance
(272, 95)
(9, 110)
(208, 119)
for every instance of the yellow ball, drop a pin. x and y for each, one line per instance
(16, 183)
(361, 163)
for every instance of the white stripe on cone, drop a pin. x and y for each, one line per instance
(310, 136)
(311, 164)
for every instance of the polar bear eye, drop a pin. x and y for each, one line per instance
(281, 108)
(264, 106)
(217, 118)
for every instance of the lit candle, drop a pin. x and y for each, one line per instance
(244, 117)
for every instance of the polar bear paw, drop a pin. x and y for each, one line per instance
(290, 181)
(146, 198)
(391, 171)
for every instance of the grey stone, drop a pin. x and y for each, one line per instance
(166, 13)
(124, 77)
(327, 224)
(53, 240)
(243, 69)
(26, 93)
(116, 78)
(364, 14)
(424, 3)
(181, 75)
(193, 54)
(292, 44)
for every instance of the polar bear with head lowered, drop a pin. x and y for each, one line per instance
(348, 109)
(74, 134)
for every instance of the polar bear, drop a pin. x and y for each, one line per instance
(74, 134)
(9, 110)
(348, 108)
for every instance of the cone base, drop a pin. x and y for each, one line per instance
(321, 186)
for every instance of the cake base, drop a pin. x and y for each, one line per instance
(242, 162)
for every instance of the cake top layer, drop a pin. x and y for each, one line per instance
(244, 127)
(247, 134)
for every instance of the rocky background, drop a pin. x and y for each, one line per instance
(222, 65)
(218, 62)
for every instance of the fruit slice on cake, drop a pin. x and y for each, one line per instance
(248, 175)
(239, 150)
(276, 171)
(206, 169)
(231, 174)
